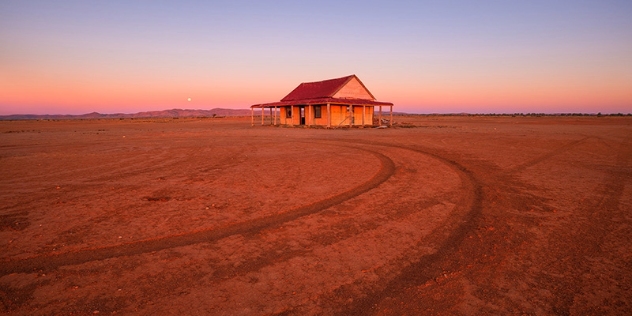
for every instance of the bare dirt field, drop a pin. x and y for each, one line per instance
(455, 215)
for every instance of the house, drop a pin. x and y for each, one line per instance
(331, 103)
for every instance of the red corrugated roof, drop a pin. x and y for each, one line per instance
(318, 89)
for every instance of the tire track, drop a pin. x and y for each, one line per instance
(340, 232)
(547, 156)
(431, 266)
(52, 262)
(602, 212)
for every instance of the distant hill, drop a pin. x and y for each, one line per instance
(157, 114)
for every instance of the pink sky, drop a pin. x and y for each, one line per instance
(79, 57)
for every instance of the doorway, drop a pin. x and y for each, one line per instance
(301, 111)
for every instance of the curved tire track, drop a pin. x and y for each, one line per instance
(431, 266)
(51, 262)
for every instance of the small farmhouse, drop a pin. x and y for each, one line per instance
(332, 103)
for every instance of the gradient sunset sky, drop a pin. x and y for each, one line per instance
(76, 57)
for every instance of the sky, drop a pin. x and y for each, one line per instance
(77, 57)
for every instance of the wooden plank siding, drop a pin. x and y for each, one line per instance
(323, 115)
(360, 112)
(353, 90)
(340, 115)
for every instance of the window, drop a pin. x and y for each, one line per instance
(317, 113)
(288, 111)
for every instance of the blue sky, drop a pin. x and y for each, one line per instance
(425, 56)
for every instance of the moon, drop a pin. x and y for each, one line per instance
(189, 99)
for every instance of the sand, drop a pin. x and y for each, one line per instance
(453, 215)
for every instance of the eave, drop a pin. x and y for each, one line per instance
(323, 101)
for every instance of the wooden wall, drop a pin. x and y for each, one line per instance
(339, 116)
(353, 90)
(357, 115)
(288, 120)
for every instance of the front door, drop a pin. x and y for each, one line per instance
(301, 110)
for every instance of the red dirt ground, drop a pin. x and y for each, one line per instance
(455, 215)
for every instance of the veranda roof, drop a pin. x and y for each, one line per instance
(323, 101)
